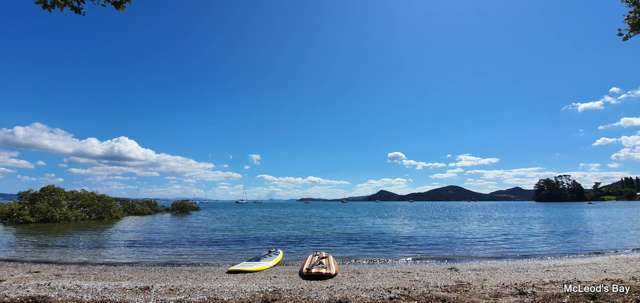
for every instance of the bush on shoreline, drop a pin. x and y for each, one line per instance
(53, 204)
(183, 207)
(141, 207)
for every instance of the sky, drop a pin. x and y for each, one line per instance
(289, 99)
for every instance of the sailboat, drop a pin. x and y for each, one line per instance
(244, 198)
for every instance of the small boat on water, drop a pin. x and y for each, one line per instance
(244, 199)
(343, 201)
(411, 201)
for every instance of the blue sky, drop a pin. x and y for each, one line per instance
(337, 98)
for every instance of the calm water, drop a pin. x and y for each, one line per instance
(225, 232)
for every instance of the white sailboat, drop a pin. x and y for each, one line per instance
(244, 198)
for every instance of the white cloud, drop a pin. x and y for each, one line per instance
(167, 191)
(481, 185)
(5, 171)
(41, 163)
(615, 91)
(623, 122)
(51, 178)
(228, 191)
(9, 159)
(48, 178)
(580, 107)
(469, 160)
(630, 150)
(590, 166)
(614, 165)
(450, 173)
(255, 158)
(396, 185)
(299, 181)
(604, 141)
(25, 178)
(400, 158)
(247, 167)
(627, 153)
(115, 156)
(615, 96)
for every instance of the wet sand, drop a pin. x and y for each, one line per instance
(494, 281)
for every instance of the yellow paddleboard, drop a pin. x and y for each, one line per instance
(259, 263)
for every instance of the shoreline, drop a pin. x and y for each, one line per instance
(496, 280)
(433, 260)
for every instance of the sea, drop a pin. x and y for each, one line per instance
(226, 233)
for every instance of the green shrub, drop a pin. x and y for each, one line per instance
(141, 207)
(52, 204)
(183, 207)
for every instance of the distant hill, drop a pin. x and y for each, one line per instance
(384, 195)
(450, 193)
(514, 194)
(8, 197)
(447, 193)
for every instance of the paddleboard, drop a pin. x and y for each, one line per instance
(319, 265)
(270, 259)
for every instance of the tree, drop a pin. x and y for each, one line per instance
(78, 6)
(632, 20)
(561, 188)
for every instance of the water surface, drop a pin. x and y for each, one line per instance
(224, 232)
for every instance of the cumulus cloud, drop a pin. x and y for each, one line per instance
(585, 106)
(627, 153)
(481, 185)
(51, 178)
(615, 96)
(623, 122)
(299, 181)
(615, 91)
(255, 158)
(397, 185)
(630, 144)
(614, 165)
(400, 158)
(9, 159)
(469, 160)
(114, 156)
(604, 141)
(48, 178)
(164, 191)
(41, 163)
(450, 173)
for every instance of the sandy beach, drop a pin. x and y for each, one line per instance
(494, 281)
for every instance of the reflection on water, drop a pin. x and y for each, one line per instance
(226, 232)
